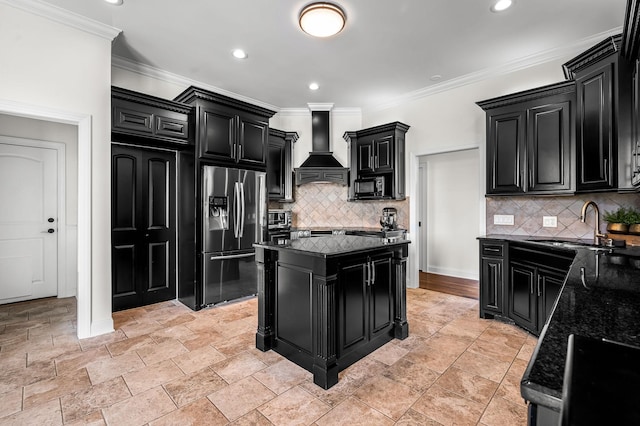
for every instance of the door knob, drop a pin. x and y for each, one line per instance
(51, 230)
(50, 220)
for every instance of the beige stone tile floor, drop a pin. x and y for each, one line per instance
(168, 365)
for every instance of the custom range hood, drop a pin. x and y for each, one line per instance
(321, 165)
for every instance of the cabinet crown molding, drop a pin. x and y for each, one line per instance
(142, 98)
(528, 95)
(606, 47)
(192, 94)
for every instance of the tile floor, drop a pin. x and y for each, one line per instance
(168, 365)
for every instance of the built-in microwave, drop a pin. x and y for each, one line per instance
(369, 187)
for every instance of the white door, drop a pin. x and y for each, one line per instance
(28, 223)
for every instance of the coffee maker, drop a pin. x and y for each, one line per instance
(389, 219)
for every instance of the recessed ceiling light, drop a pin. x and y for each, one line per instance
(239, 54)
(314, 86)
(322, 19)
(501, 5)
(116, 2)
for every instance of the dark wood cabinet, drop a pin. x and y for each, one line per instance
(375, 154)
(280, 165)
(603, 126)
(229, 131)
(530, 141)
(326, 302)
(138, 117)
(522, 297)
(143, 223)
(631, 52)
(379, 151)
(493, 259)
(365, 293)
(535, 280)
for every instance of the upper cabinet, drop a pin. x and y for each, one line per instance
(279, 165)
(229, 131)
(378, 152)
(530, 141)
(603, 123)
(631, 51)
(136, 116)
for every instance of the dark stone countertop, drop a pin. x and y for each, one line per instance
(334, 245)
(603, 305)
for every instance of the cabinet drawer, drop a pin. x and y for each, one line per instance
(495, 250)
(172, 127)
(129, 119)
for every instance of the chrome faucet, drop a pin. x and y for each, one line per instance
(597, 235)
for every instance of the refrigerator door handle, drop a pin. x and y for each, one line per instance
(242, 218)
(236, 213)
(232, 256)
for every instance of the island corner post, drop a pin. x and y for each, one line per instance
(326, 312)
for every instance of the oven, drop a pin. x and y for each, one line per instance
(279, 229)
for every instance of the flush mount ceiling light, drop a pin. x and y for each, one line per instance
(501, 5)
(322, 19)
(239, 54)
(115, 2)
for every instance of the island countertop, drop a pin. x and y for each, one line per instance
(334, 245)
(599, 299)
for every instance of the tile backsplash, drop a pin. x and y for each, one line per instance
(529, 211)
(325, 205)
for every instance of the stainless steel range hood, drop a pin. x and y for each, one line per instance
(321, 165)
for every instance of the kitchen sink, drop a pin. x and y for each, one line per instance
(571, 244)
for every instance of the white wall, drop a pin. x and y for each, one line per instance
(50, 65)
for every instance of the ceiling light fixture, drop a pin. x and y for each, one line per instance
(114, 2)
(322, 19)
(314, 86)
(239, 54)
(501, 5)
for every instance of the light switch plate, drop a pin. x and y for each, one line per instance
(550, 221)
(503, 219)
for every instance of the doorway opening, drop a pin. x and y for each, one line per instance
(449, 215)
(82, 123)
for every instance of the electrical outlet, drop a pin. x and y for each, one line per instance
(503, 219)
(550, 221)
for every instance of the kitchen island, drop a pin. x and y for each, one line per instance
(325, 302)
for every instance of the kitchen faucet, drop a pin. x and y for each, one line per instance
(596, 226)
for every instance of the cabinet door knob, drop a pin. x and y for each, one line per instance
(51, 230)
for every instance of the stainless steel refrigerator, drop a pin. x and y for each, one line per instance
(234, 218)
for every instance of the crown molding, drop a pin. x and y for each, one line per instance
(306, 112)
(178, 80)
(63, 16)
(513, 66)
(320, 106)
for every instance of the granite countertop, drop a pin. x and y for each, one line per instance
(332, 245)
(600, 299)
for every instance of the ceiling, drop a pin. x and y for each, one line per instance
(388, 49)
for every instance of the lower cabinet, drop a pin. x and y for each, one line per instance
(492, 266)
(520, 282)
(326, 311)
(535, 281)
(365, 309)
